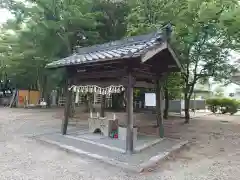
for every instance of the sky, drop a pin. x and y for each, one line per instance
(5, 15)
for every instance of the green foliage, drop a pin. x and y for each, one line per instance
(213, 104)
(47, 30)
(42, 31)
(148, 15)
(111, 17)
(204, 32)
(225, 105)
(174, 85)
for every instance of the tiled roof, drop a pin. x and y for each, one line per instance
(129, 47)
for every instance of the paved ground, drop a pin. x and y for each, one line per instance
(213, 154)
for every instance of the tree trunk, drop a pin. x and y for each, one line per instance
(186, 107)
(158, 103)
(166, 96)
(67, 106)
(159, 108)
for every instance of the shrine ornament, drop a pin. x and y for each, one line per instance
(112, 89)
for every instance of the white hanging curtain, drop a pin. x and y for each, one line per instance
(96, 89)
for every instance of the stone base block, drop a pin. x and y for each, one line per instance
(122, 133)
(103, 124)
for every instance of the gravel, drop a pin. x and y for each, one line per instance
(214, 152)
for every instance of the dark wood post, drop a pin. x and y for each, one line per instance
(129, 138)
(103, 98)
(159, 108)
(67, 105)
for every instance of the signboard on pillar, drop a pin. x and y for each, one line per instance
(150, 99)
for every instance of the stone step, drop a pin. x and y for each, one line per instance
(132, 162)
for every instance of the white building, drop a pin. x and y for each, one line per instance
(202, 91)
(237, 94)
(236, 80)
(236, 77)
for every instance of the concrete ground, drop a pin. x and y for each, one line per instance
(213, 154)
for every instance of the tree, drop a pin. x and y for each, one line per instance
(203, 43)
(172, 90)
(45, 31)
(202, 36)
(112, 26)
(150, 15)
(111, 19)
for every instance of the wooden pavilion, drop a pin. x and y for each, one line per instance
(132, 62)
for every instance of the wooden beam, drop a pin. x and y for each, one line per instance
(144, 66)
(139, 73)
(101, 74)
(113, 62)
(152, 70)
(140, 82)
(154, 51)
(98, 82)
(144, 84)
(159, 109)
(129, 138)
(173, 54)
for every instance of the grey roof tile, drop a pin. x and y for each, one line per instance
(107, 55)
(93, 55)
(88, 57)
(100, 55)
(114, 54)
(82, 58)
(126, 48)
(118, 52)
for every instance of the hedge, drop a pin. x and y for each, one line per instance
(224, 105)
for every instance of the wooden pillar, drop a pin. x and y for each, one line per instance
(103, 98)
(67, 107)
(159, 108)
(129, 138)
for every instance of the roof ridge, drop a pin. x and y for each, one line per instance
(126, 48)
(128, 41)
